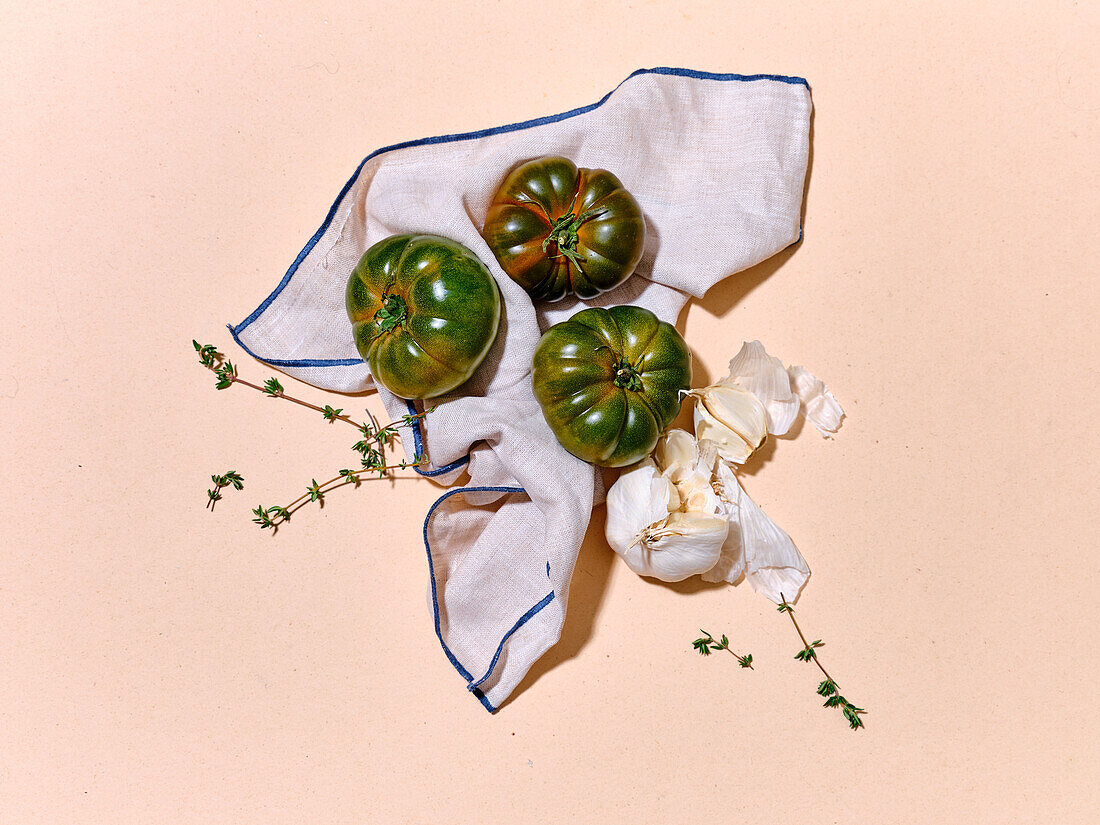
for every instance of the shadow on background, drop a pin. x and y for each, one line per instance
(729, 292)
(586, 594)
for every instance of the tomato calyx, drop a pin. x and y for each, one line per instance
(393, 313)
(563, 234)
(626, 375)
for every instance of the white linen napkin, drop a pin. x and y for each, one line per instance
(717, 162)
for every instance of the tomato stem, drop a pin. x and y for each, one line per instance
(626, 375)
(563, 234)
(393, 313)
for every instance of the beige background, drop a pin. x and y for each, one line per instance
(162, 166)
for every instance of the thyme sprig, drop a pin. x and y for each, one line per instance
(226, 374)
(827, 688)
(372, 445)
(706, 643)
(274, 516)
(231, 478)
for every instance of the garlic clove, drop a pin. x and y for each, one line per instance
(818, 404)
(765, 377)
(731, 417)
(690, 466)
(686, 544)
(675, 454)
(697, 494)
(640, 498)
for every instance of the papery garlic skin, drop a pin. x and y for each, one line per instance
(784, 392)
(755, 546)
(733, 418)
(639, 498)
(686, 544)
(765, 377)
(818, 404)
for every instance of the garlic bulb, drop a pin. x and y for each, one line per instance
(684, 545)
(664, 528)
(639, 499)
(731, 417)
(755, 546)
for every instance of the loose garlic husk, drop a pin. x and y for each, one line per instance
(733, 418)
(663, 528)
(784, 392)
(818, 404)
(755, 546)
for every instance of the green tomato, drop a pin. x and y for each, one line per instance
(609, 382)
(424, 312)
(559, 230)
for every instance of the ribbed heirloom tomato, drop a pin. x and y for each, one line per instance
(559, 230)
(424, 312)
(609, 382)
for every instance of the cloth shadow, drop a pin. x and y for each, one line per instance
(729, 292)
(587, 590)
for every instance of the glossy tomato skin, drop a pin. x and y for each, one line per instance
(607, 244)
(424, 312)
(609, 382)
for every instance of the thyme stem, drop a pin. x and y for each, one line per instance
(353, 478)
(739, 658)
(280, 394)
(371, 446)
(786, 608)
(274, 516)
(828, 688)
(328, 412)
